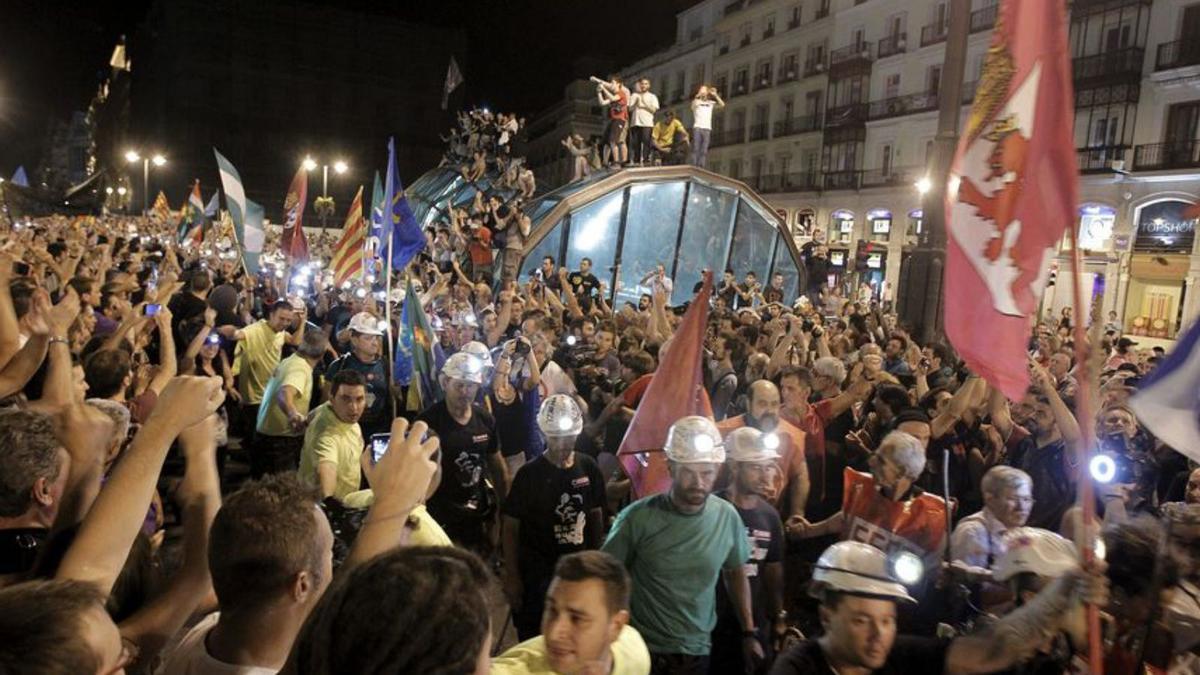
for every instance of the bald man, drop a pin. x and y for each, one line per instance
(791, 481)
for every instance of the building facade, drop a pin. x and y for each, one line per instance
(831, 110)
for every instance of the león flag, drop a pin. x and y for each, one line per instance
(1012, 191)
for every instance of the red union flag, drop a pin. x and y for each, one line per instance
(1012, 191)
(292, 241)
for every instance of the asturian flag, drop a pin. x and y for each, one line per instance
(417, 353)
(348, 252)
(292, 241)
(454, 78)
(402, 237)
(1012, 191)
(1168, 402)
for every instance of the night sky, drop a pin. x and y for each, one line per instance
(54, 54)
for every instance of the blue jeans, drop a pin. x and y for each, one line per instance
(700, 146)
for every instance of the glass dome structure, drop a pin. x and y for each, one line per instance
(628, 221)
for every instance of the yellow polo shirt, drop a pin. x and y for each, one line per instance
(630, 657)
(255, 358)
(329, 439)
(293, 372)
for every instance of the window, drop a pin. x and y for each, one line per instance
(651, 226)
(768, 26)
(940, 18)
(695, 34)
(744, 34)
(740, 80)
(860, 38)
(784, 162)
(723, 84)
(697, 76)
(677, 93)
(762, 75)
(885, 160)
(756, 168)
(723, 43)
(753, 243)
(705, 233)
(739, 119)
(794, 17)
(928, 152)
(735, 169)
(891, 86)
(788, 105)
(896, 25)
(594, 231)
(789, 67)
(933, 79)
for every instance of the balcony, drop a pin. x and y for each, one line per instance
(851, 60)
(813, 67)
(1170, 155)
(890, 177)
(902, 105)
(892, 45)
(758, 132)
(733, 7)
(1100, 159)
(822, 12)
(727, 137)
(984, 18)
(934, 33)
(745, 41)
(793, 24)
(768, 33)
(841, 180)
(790, 72)
(762, 82)
(740, 88)
(1177, 54)
(724, 49)
(854, 114)
(1108, 95)
(801, 181)
(797, 125)
(1122, 64)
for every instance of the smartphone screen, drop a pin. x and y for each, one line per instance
(152, 309)
(379, 446)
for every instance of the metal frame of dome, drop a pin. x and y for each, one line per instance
(575, 196)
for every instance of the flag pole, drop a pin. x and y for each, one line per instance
(1083, 453)
(391, 333)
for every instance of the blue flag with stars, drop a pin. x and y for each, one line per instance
(401, 233)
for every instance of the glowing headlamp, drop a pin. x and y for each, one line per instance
(770, 441)
(360, 293)
(278, 274)
(906, 567)
(570, 340)
(1103, 468)
(564, 423)
(702, 443)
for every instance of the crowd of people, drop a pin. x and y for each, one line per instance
(859, 502)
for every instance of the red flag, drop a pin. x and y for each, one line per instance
(292, 242)
(1012, 191)
(676, 390)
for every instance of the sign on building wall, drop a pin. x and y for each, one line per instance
(1162, 226)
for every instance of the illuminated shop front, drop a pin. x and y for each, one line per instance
(1158, 269)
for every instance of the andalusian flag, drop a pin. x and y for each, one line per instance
(376, 216)
(161, 208)
(348, 252)
(247, 216)
(191, 221)
(416, 354)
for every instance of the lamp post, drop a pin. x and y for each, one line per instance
(324, 205)
(133, 157)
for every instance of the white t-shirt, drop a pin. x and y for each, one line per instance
(643, 105)
(191, 657)
(702, 114)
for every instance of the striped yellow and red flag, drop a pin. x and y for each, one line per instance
(348, 252)
(161, 208)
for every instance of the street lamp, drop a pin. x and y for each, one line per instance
(324, 205)
(133, 156)
(923, 185)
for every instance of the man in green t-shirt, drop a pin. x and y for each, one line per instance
(333, 442)
(284, 410)
(675, 545)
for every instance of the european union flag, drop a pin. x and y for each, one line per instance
(402, 235)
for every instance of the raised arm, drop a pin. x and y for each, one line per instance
(167, 365)
(102, 545)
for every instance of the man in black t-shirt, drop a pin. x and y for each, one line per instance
(753, 461)
(859, 589)
(584, 284)
(555, 508)
(463, 504)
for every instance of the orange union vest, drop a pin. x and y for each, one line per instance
(917, 525)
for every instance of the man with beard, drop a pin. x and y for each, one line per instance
(789, 491)
(752, 465)
(675, 546)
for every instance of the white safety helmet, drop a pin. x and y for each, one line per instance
(694, 440)
(366, 324)
(463, 366)
(857, 569)
(1032, 549)
(480, 350)
(748, 444)
(560, 416)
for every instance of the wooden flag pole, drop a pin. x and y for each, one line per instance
(1083, 454)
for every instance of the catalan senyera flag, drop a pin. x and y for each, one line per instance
(292, 241)
(1012, 191)
(348, 252)
(676, 391)
(162, 208)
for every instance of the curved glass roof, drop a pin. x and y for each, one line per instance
(628, 221)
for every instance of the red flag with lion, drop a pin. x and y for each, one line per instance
(1012, 191)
